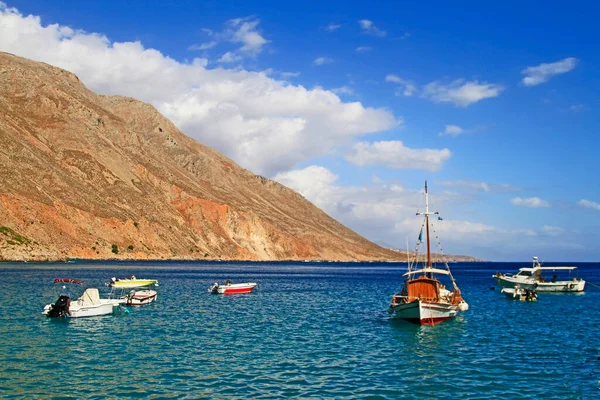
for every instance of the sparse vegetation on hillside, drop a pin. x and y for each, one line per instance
(13, 237)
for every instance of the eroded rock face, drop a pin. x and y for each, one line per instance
(89, 176)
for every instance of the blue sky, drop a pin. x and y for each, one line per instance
(355, 105)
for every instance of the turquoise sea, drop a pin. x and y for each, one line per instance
(309, 330)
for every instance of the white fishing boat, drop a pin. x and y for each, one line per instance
(518, 293)
(131, 283)
(88, 305)
(231, 288)
(424, 298)
(534, 279)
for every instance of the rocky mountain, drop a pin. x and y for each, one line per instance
(90, 176)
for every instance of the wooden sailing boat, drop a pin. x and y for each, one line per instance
(424, 299)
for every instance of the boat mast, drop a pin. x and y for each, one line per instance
(426, 214)
(427, 223)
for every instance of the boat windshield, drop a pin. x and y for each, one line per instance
(524, 273)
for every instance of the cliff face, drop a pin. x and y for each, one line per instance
(89, 176)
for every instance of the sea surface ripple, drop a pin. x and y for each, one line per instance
(308, 331)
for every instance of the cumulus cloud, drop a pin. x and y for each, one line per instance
(460, 92)
(332, 27)
(541, 73)
(385, 212)
(367, 27)
(405, 88)
(589, 204)
(452, 130)
(394, 154)
(322, 60)
(532, 202)
(245, 115)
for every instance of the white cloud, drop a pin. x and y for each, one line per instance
(343, 90)
(230, 57)
(245, 115)
(368, 28)
(242, 31)
(460, 93)
(394, 154)
(322, 60)
(452, 130)
(386, 213)
(480, 186)
(541, 73)
(405, 88)
(589, 204)
(286, 75)
(532, 202)
(332, 27)
(363, 49)
(203, 46)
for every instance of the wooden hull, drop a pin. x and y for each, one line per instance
(424, 313)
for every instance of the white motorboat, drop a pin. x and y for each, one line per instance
(231, 288)
(131, 283)
(139, 297)
(518, 293)
(88, 305)
(534, 279)
(424, 299)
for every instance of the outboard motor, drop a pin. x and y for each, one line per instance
(60, 309)
(213, 288)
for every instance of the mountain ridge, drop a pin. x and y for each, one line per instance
(108, 177)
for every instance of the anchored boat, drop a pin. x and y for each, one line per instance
(231, 288)
(133, 297)
(518, 293)
(88, 305)
(534, 279)
(424, 298)
(130, 283)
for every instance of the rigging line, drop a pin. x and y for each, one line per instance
(439, 245)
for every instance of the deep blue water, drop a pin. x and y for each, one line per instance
(308, 331)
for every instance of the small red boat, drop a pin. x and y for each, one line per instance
(232, 288)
